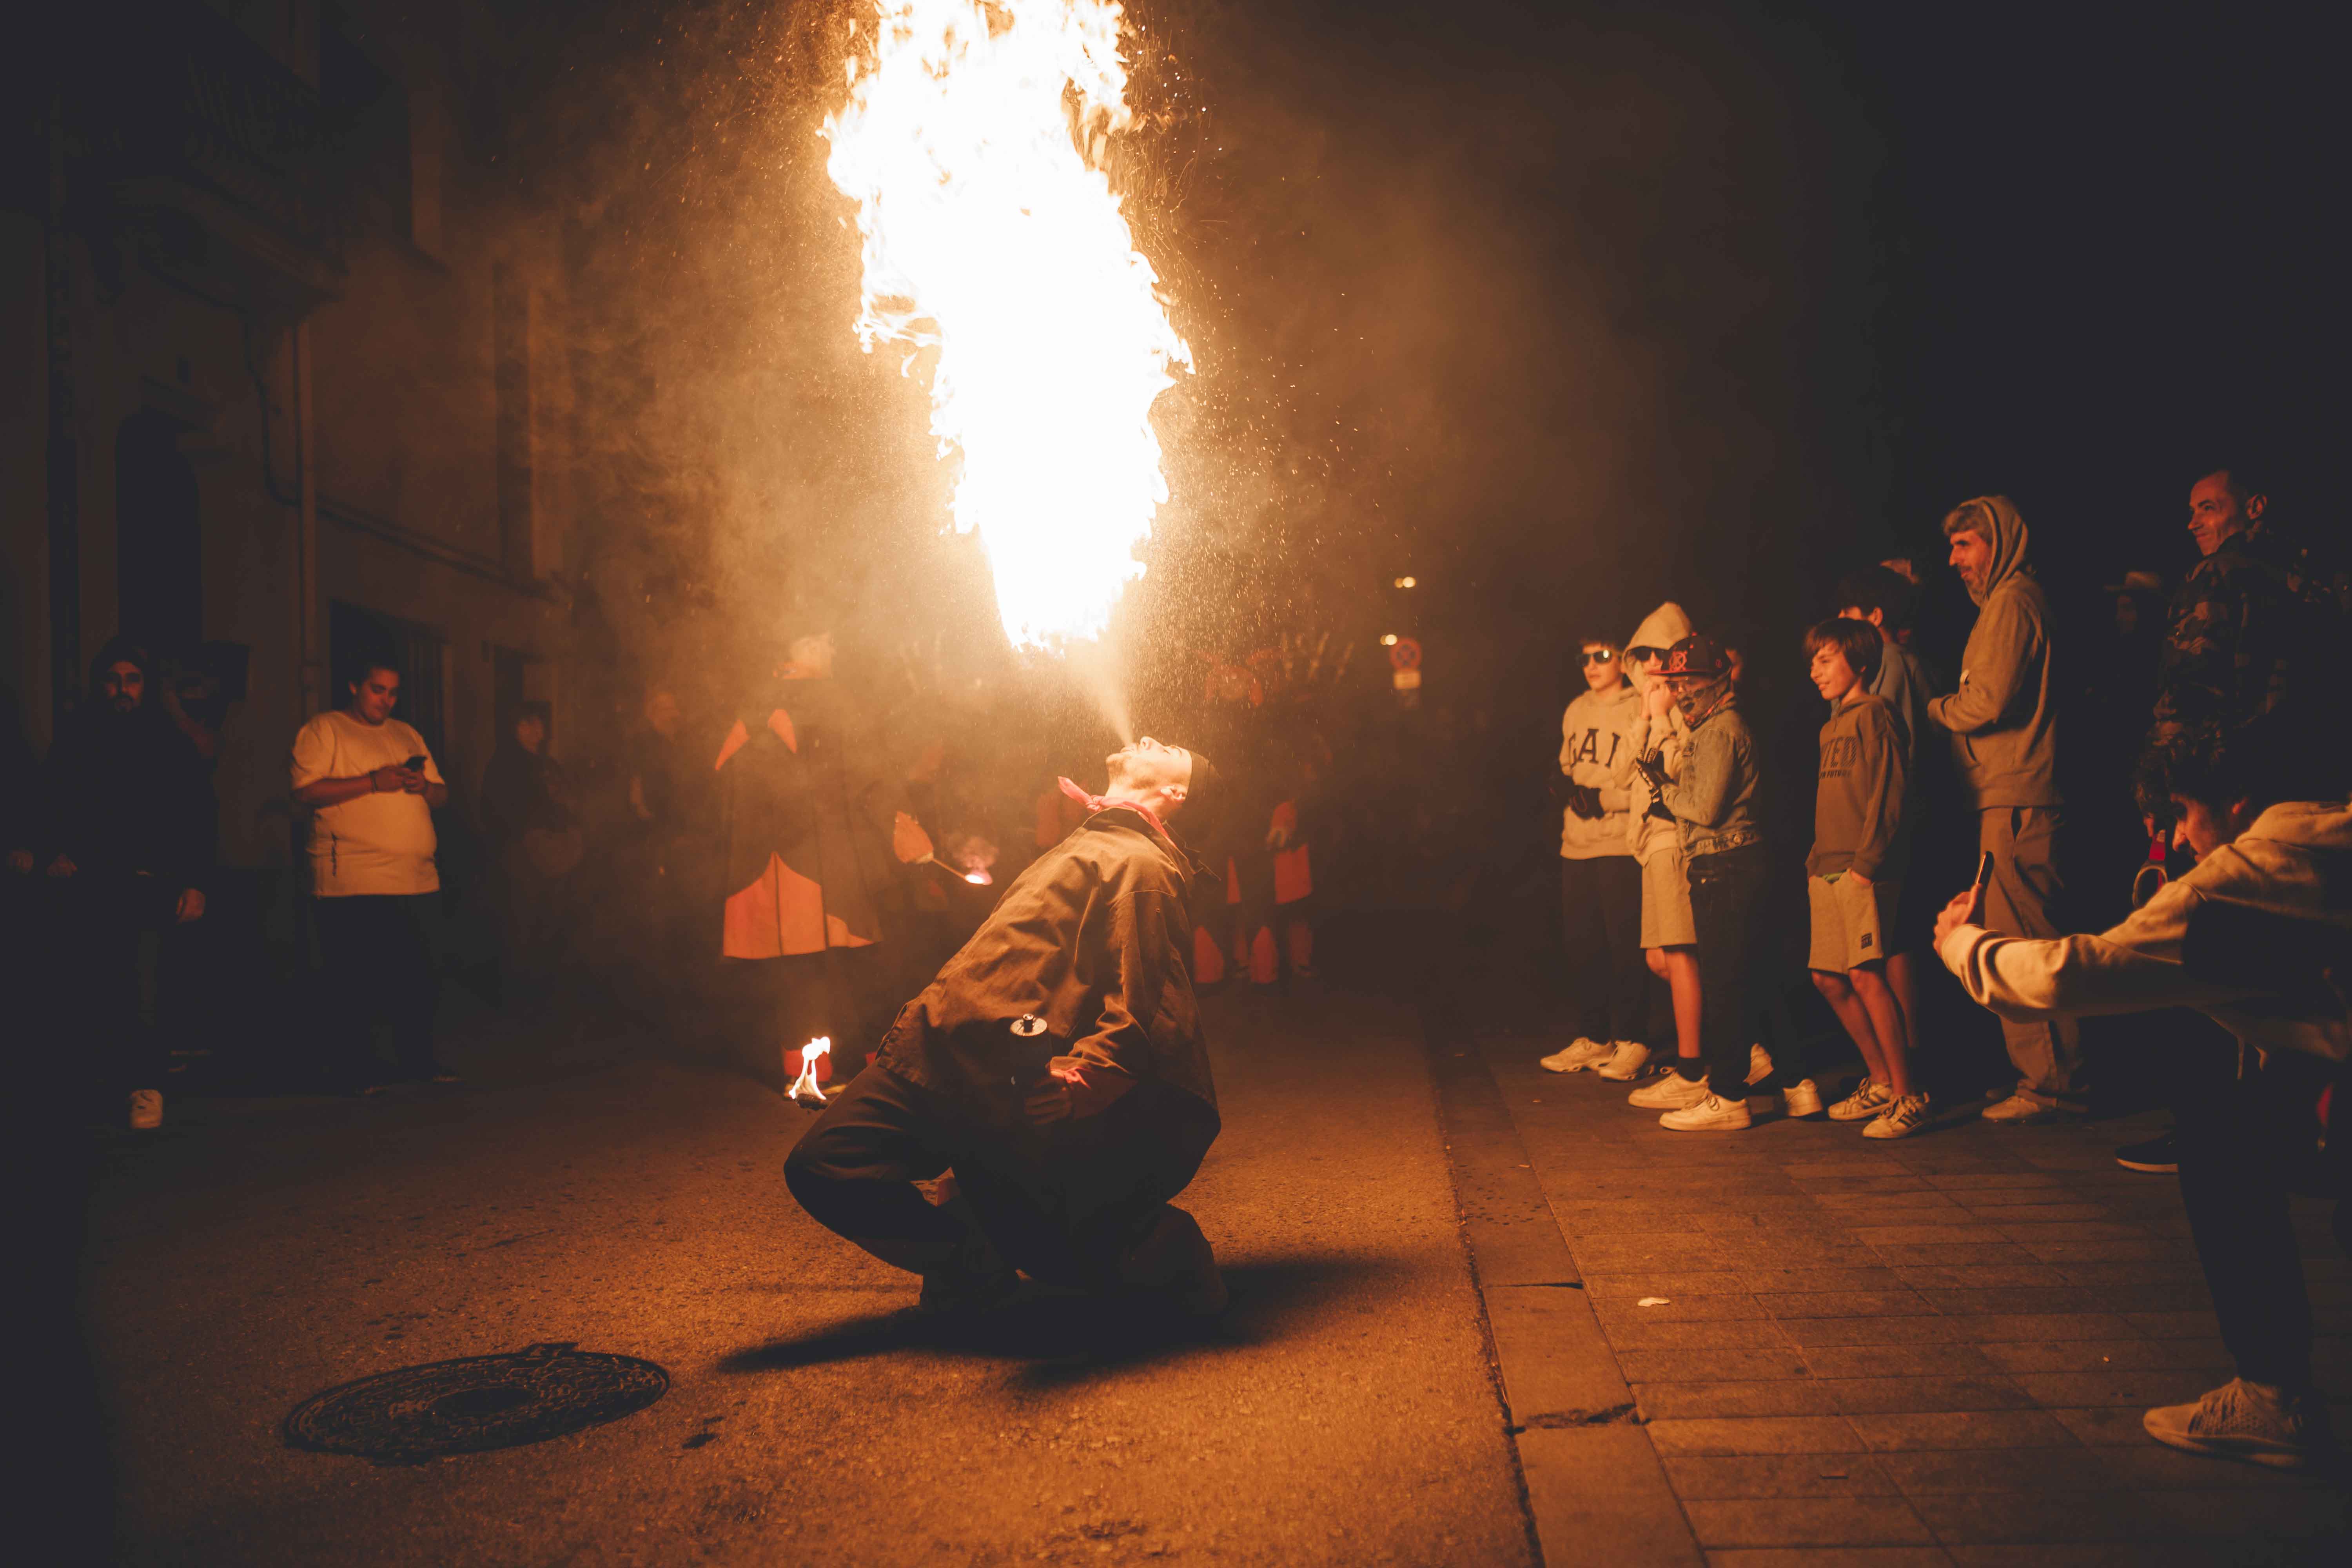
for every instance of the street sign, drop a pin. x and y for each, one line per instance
(1405, 654)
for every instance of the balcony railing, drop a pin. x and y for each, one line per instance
(178, 92)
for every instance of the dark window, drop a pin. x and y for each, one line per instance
(159, 562)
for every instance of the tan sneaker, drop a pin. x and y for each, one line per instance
(1900, 1120)
(1869, 1098)
(1580, 1054)
(1709, 1115)
(1804, 1098)
(2251, 1421)
(1671, 1092)
(1626, 1062)
(2017, 1108)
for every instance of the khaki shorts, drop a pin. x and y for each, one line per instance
(1665, 900)
(1850, 925)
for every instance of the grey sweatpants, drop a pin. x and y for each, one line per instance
(2023, 840)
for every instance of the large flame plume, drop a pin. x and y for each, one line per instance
(972, 143)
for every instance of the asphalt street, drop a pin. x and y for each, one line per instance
(587, 1186)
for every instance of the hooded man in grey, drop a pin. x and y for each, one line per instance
(2005, 741)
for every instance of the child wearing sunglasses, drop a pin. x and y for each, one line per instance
(1600, 878)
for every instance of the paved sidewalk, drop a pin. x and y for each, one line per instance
(1932, 1351)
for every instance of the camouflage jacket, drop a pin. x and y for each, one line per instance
(2250, 630)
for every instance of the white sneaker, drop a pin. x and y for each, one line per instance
(1626, 1062)
(1671, 1092)
(1760, 1064)
(1900, 1120)
(1870, 1097)
(146, 1110)
(2017, 1108)
(2251, 1421)
(1804, 1098)
(1580, 1054)
(1709, 1115)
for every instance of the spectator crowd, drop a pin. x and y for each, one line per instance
(2233, 958)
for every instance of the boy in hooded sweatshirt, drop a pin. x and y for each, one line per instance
(2005, 741)
(1711, 788)
(1668, 937)
(1853, 878)
(2258, 937)
(1600, 879)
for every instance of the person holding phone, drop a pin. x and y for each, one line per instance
(370, 784)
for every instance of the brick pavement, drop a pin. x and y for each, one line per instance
(1932, 1351)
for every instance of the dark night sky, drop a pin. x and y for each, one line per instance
(1568, 308)
(1703, 273)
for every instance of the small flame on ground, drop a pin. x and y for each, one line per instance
(972, 141)
(805, 1088)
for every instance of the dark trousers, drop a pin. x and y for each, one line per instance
(1062, 1206)
(379, 960)
(1601, 927)
(2242, 1148)
(1725, 891)
(113, 925)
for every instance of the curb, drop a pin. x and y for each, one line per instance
(1595, 1491)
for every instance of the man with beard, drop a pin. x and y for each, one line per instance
(131, 813)
(1055, 1066)
(2002, 721)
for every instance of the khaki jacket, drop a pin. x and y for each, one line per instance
(1092, 940)
(2002, 722)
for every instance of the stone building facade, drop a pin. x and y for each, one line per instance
(286, 383)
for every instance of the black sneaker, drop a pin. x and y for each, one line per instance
(2156, 1157)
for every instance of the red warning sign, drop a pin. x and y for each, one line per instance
(1405, 654)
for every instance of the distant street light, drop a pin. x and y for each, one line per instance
(1405, 583)
(1389, 640)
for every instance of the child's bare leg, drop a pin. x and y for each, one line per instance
(1877, 999)
(1679, 966)
(1904, 980)
(1840, 995)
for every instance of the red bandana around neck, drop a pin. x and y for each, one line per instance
(1096, 802)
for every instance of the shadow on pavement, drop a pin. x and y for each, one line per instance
(1064, 1337)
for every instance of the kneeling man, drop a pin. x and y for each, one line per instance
(1056, 1066)
(2259, 938)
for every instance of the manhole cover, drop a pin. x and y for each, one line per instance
(475, 1404)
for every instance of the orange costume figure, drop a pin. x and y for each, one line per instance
(806, 852)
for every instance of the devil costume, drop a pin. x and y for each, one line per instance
(1079, 974)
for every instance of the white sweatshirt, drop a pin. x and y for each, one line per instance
(1648, 836)
(1598, 737)
(2258, 937)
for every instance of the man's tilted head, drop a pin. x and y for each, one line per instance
(1151, 773)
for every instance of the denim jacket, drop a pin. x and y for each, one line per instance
(1713, 794)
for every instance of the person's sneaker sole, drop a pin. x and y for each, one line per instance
(2262, 1451)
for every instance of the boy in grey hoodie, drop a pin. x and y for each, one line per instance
(1711, 795)
(2004, 732)
(2259, 938)
(1600, 880)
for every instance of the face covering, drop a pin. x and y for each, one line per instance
(1699, 702)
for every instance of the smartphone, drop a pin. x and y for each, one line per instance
(415, 764)
(1977, 893)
